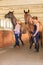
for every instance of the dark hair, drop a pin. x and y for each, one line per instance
(35, 17)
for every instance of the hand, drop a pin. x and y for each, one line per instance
(34, 35)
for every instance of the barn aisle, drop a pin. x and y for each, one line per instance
(21, 56)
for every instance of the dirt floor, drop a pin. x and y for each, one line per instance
(21, 56)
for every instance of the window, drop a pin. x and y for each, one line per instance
(5, 24)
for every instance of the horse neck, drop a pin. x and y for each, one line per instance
(31, 27)
(13, 21)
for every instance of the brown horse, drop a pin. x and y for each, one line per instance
(28, 17)
(11, 16)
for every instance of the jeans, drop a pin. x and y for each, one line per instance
(36, 39)
(17, 41)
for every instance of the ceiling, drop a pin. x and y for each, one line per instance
(19, 2)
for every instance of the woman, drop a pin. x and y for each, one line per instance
(36, 33)
(17, 32)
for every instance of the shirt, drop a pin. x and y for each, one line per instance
(17, 28)
(38, 28)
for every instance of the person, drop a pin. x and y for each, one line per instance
(17, 32)
(36, 33)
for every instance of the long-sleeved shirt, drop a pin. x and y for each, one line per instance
(17, 29)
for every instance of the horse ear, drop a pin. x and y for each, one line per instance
(24, 11)
(28, 10)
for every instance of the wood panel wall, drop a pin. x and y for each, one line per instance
(35, 10)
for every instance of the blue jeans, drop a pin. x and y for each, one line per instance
(17, 41)
(36, 39)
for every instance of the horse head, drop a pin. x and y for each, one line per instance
(11, 16)
(27, 16)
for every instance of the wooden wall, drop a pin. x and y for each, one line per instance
(36, 10)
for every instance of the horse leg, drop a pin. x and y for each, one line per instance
(22, 42)
(21, 39)
(30, 45)
(31, 42)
